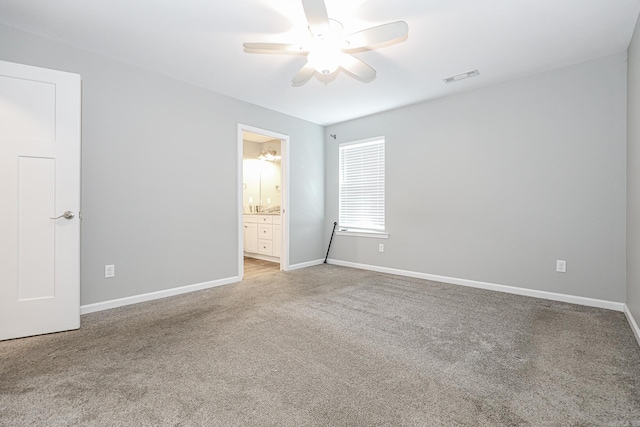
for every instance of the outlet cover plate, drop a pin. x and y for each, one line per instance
(109, 271)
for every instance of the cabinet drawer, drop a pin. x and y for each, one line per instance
(249, 218)
(265, 219)
(277, 219)
(265, 231)
(265, 247)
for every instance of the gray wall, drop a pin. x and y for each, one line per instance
(633, 176)
(497, 184)
(159, 196)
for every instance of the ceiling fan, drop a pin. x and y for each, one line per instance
(328, 49)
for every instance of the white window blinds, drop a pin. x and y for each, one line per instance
(361, 196)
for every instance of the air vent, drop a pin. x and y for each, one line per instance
(461, 76)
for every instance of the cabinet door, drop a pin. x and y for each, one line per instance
(277, 240)
(250, 237)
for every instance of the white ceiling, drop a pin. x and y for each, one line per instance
(200, 42)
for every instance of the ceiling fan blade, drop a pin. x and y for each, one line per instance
(357, 68)
(303, 75)
(377, 35)
(317, 17)
(283, 47)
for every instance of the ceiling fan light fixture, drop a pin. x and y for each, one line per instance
(325, 54)
(329, 49)
(325, 59)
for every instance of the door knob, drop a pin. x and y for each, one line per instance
(66, 215)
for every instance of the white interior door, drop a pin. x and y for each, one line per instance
(39, 180)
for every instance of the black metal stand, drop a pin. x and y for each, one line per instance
(330, 240)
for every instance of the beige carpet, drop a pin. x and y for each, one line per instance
(329, 345)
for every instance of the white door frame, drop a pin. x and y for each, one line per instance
(284, 256)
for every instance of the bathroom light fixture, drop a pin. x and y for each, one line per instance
(270, 154)
(461, 76)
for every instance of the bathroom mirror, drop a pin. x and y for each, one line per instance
(262, 176)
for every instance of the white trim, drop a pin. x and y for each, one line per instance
(372, 234)
(239, 204)
(135, 299)
(306, 264)
(590, 302)
(285, 148)
(284, 191)
(632, 323)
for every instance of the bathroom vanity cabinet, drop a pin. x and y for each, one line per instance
(263, 236)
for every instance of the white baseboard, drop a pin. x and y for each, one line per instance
(591, 302)
(632, 323)
(99, 306)
(305, 264)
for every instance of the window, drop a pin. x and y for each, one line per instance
(361, 197)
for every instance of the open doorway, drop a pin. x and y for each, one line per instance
(263, 201)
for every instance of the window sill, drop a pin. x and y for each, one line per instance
(372, 234)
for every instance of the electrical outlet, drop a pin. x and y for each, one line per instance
(109, 271)
(561, 266)
(381, 247)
